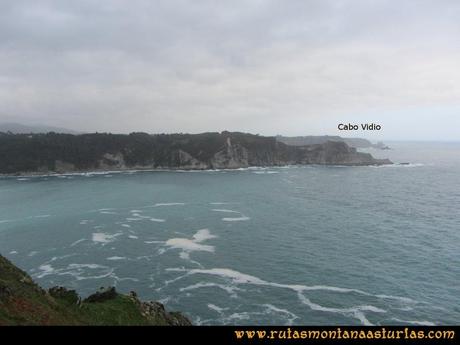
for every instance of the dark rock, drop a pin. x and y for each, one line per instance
(104, 294)
(177, 319)
(70, 296)
(156, 310)
(5, 292)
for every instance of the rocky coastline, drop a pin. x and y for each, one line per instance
(52, 153)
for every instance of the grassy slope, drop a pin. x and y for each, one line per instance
(22, 302)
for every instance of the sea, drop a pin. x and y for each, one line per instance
(294, 245)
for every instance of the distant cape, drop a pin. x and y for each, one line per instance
(321, 139)
(17, 128)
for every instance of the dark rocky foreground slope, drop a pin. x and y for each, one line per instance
(52, 152)
(22, 302)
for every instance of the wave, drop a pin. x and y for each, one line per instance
(116, 258)
(104, 238)
(168, 204)
(415, 322)
(131, 219)
(231, 290)
(402, 299)
(77, 242)
(158, 220)
(77, 271)
(290, 316)
(357, 312)
(236, 219)
(190, 245)
(46, 270)
(216, 308)
(224, 210)
(203, 235)
(398, 165)
(235, 276)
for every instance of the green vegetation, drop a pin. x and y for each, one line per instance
(22, 302)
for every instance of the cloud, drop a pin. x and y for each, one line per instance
(291, 67)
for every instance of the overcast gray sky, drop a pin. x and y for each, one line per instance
(293, 67)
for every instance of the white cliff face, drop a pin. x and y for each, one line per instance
(110, 160)
(187, 161)
(231, 157)
(62, 167)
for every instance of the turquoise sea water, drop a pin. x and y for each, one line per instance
(293, 245)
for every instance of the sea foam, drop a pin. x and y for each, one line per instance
(190, 245)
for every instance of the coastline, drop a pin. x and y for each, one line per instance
(29, 174)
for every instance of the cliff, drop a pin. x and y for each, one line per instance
(22, 302)
(52, 152)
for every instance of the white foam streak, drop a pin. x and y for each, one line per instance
(403, 299)
(291, 316)
(415, 322)
(235, 276)
(236, 219)
(224, 210)
(157, 220)
(216, 308)
(116, 258)
(169, 204)
(77, 271)
(190, 245)
(203, 235)
(77, 242)
(46, 270)
(356, 312)
(104, 238)
(227, 288)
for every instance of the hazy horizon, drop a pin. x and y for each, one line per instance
(268, 67)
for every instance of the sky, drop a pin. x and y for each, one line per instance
(290, 67)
